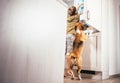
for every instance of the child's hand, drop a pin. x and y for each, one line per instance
(81, 4)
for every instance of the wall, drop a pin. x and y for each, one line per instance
(110, 38)
(104, 39)
(118, 36)
(32, 41)
(95, 13)
(112, 34)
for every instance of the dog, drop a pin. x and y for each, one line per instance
(78, 47)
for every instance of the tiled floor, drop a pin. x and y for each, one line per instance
(86, 80)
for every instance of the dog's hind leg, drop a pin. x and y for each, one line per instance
(79, 63)
(70, 66)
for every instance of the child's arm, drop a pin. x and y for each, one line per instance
(79, 5)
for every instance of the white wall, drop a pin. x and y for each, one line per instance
(118, 37)
(112, 37)
(94, 6)
(32, 41)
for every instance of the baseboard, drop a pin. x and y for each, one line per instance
(114, 76)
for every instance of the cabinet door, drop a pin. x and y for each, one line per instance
(90, 57)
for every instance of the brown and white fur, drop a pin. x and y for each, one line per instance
(78, 47)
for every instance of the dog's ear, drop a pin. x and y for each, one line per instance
(79, 25)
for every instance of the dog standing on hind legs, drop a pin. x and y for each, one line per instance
(78, 47)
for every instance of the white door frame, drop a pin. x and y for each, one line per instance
(118, 36)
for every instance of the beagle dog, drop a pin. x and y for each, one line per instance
(75, 57)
